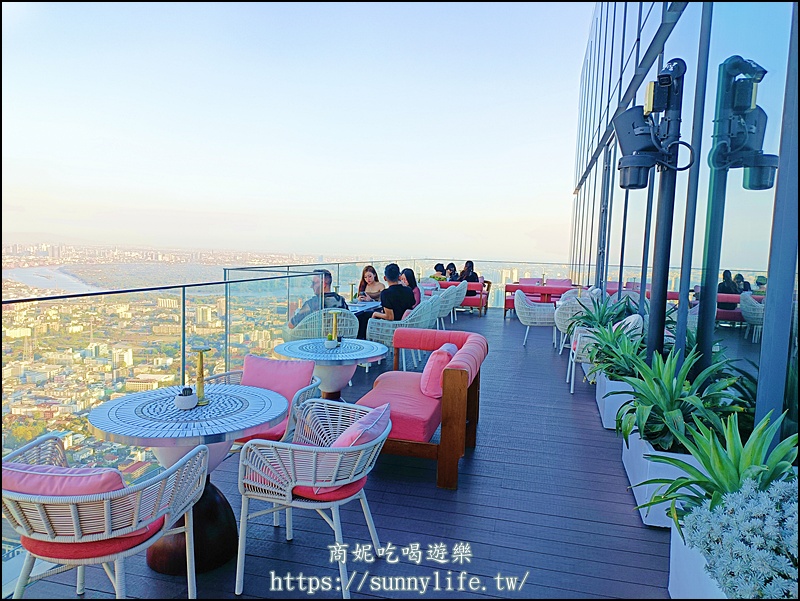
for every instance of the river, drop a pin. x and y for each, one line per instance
(48, 278)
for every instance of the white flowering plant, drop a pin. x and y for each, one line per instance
(749, 541)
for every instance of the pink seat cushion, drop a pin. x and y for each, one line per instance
(366, 429)
(99, 548)
(57, 481)
(415, 416)
(431, 382)
(329, 493)
(284, 377)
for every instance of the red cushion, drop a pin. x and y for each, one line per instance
(414, 415)
(274, 433)
(100, 548)
(330, 493)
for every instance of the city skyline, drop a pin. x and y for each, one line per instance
(279, 127)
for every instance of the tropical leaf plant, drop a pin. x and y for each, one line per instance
(597, 314)
(612, 351)
(664, 400)
(727, 466)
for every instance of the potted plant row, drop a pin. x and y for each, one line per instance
(734, 519)
(663, 402)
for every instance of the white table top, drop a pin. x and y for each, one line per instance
(150, 418)
(350, 352)
(358, 307)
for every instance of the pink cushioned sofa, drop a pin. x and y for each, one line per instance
(416, 417)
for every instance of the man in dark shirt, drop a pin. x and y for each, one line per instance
(396, 298)
(331, 300)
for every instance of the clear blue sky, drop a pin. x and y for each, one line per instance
(426, 129)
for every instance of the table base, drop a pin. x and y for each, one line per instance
(215, 537)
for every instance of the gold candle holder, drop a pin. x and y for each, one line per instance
(199, 387)
(335, 326)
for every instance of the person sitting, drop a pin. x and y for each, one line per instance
(761, 285)
(439, 272)
(369, 288)
(468, 274)
(727, 286)
(451, 273)
(396, 298)
(331, 300)
(742, 284)
(407, 278)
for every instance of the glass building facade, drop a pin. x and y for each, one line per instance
(709, 211)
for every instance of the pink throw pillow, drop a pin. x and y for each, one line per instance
(284, 377)
(365, 429)
(54, 480)
(431, 382)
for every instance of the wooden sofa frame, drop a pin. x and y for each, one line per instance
(460, 405)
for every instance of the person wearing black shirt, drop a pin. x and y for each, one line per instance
(468, 274)
(452, 272)
(395, 300)
(742, 284)
(727, 286)
(330, 300)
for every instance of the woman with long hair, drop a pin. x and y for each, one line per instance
(369, 288)
(407, 278)
(727, 286)
(468, 274)
(452, 272)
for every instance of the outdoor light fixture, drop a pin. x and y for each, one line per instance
(741, 125)
(641, 139)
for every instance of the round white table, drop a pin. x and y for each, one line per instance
(334, 367)
(151, 419)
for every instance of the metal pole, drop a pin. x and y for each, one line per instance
(664, 217)
(694, 174)
(651, 184)
(622, 244)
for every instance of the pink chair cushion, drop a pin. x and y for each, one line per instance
(530, 281)
(473, 347)
(431, 382)
(415, 416)
(99, 548)
(284, 377)
(329, 493)
(274, 433)
(366, 429)
(54, 480)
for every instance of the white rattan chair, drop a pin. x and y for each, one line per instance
(428, 286)
(320, 323)
(53, 527)
(582, 340)
(534, 314)
(422, 316)
(271, 471)
(563, 318)
(753, 314)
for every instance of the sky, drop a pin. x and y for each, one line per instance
(413, 129)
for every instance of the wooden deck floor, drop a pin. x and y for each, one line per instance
(543, 499)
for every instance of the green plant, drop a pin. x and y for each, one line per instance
(664, 400)
(727, 467)
(612, 351)
(597, 314)
(749, 541)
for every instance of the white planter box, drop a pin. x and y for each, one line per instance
(688, 578)
(611, 404)
(640, 469)
(600, 391)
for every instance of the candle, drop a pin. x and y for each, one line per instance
(335, 330)
(199, 387)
